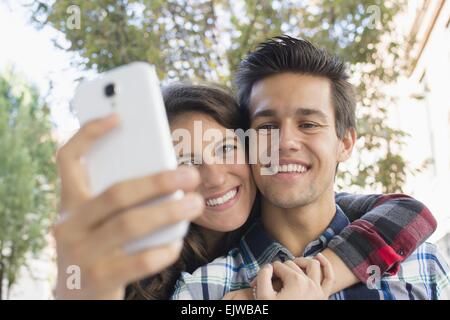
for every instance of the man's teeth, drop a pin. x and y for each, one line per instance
(221, 200)
(288, 168)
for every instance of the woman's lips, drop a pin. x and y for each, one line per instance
(223, 201)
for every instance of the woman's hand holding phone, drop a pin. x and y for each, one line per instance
(92, 231)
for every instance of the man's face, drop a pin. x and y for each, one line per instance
(300, 106)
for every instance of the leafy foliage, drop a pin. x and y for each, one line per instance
(27, 176)
(206, 39)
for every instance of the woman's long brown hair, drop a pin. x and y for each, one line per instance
(220, 105)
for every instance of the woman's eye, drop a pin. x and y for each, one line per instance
(226, 148)
(267, 127)
(186, 162)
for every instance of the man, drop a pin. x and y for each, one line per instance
(290, 85)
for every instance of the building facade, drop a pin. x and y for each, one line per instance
(423, 110)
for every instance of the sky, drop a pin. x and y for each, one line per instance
(32, 54)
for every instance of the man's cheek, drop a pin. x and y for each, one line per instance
(268, 151)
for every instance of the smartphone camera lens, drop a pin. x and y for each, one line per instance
(110, 90)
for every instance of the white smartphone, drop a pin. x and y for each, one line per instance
(141, 145)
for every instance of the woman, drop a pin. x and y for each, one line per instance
(95, 229)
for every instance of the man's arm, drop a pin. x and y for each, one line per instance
(385, 230)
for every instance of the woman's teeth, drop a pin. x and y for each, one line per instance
(288, 168)
(212, 202)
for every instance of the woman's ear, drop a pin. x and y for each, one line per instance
(346, 145)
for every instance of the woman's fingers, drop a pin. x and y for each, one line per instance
(137, 222)
(122, 196)
(74, 187)
(311, 267)
(139, 191)
(328, 273)
(82, 141)
(264, 288)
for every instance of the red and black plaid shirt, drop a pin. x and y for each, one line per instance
(384, 230)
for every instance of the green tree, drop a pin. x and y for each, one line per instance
(206, 39)
(27, 177)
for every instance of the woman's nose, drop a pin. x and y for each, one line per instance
(212, 175)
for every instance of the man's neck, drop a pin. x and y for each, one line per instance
(296, 227)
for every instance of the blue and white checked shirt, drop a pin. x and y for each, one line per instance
(424, 275)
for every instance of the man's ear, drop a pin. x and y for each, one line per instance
(346, 145)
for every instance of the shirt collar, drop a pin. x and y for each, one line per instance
(257, 247)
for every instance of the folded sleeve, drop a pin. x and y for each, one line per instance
(384, 230)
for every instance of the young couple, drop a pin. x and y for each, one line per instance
(284, 236)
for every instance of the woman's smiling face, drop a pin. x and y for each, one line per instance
(227, 186)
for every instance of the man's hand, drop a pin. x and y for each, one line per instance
(300, 279)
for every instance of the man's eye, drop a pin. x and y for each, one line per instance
(309, 125)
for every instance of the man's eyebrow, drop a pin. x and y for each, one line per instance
(298, 112)
(309, 111)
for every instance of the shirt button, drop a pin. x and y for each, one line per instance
(401, 252)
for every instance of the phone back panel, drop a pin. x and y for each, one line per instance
(140, 145)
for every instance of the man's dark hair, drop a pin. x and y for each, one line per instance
(286, 54)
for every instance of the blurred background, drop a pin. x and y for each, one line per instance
(398, 53)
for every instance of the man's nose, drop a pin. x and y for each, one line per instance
(212, 175)
(289, 138)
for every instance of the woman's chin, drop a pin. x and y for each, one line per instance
(224, 225)
(230, 228)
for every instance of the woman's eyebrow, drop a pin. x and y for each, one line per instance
(186, 155)
(227, 138)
